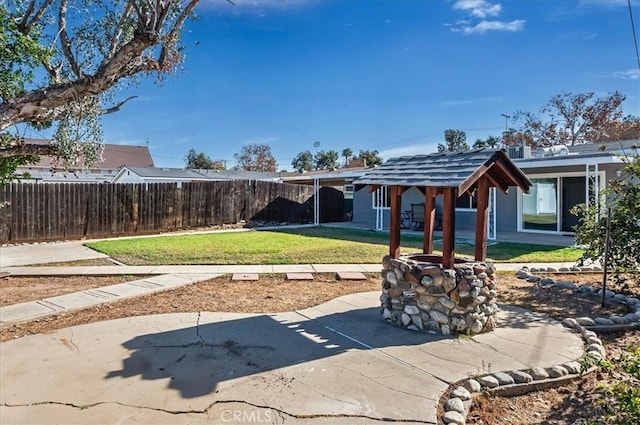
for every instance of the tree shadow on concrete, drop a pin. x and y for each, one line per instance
(195, 359)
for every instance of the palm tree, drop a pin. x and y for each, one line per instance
(348, 154)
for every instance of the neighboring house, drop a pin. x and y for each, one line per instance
(179, 175)
(562, 177)
(114, 157)
(156, 175)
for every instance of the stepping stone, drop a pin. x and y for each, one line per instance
(351, 276)
(245, 276)
(299, 276)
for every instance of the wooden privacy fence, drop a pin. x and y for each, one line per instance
(41, 212)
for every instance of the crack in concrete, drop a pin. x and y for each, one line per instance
(282, 413)
(73, 343)
(198, 329)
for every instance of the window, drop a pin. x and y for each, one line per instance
(467, 202)
(381, 198)
(348, 191)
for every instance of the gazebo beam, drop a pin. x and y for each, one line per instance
(449, 227)
(482, 218)
(394, 221)
(429, 220)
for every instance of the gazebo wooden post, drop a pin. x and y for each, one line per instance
(482, 218)
(394, 221)
(429, 220)
(448, 227)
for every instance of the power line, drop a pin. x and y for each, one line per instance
(633, 31)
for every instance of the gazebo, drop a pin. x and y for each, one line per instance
(425, 292)
(449, 175)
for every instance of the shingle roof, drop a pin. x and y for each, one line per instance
(237, 174)
(446, 170)
(114, 156)
(604, 147)
(170, 173)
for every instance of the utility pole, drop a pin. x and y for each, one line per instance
(506, 122)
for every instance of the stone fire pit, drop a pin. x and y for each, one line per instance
(418, 293)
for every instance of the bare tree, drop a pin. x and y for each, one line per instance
(570, 119)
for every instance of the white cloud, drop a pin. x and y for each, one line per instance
(476, 22)
(484, 26)
(478, 8)
(630, 74)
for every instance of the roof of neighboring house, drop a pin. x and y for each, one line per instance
(114, 156)
(161, 173)
(335, 177)
(66, 177)
(449, 169)
(238, 175)
(605, 147)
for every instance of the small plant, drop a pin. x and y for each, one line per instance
(621, 401)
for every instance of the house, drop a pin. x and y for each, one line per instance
(179, 175)
(128, 174)
(114, 157)
(562, 177)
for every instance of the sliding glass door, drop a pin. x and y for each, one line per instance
(547, 206)
(540, 205)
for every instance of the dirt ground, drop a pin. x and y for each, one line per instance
(563, 406)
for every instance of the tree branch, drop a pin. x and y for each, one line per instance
(24, 149)
(116, 107)
(119, 29)
(65, 43)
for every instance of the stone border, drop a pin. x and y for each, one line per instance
(457, 403)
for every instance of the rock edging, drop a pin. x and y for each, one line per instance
(456, 403)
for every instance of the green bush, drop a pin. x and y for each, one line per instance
(623, 202)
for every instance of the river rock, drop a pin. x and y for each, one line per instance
(489, 381)
(503, 378)
(454, 404)
(453, 417)
(557, 371)
(472, 386)
(538, 373)
(462, 393)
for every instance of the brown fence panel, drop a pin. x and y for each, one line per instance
(39, 212)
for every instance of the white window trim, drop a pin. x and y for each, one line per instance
(602, 182)
(381, 195)
(468, 209)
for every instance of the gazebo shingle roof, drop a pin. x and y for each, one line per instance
(448, 174)
(448, 170)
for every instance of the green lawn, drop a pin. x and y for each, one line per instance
(299, 246)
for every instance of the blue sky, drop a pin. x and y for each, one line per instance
(389, 75)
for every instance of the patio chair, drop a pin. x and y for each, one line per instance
(417, 216)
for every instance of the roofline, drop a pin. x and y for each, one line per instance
(566, 161)
(331, 176)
